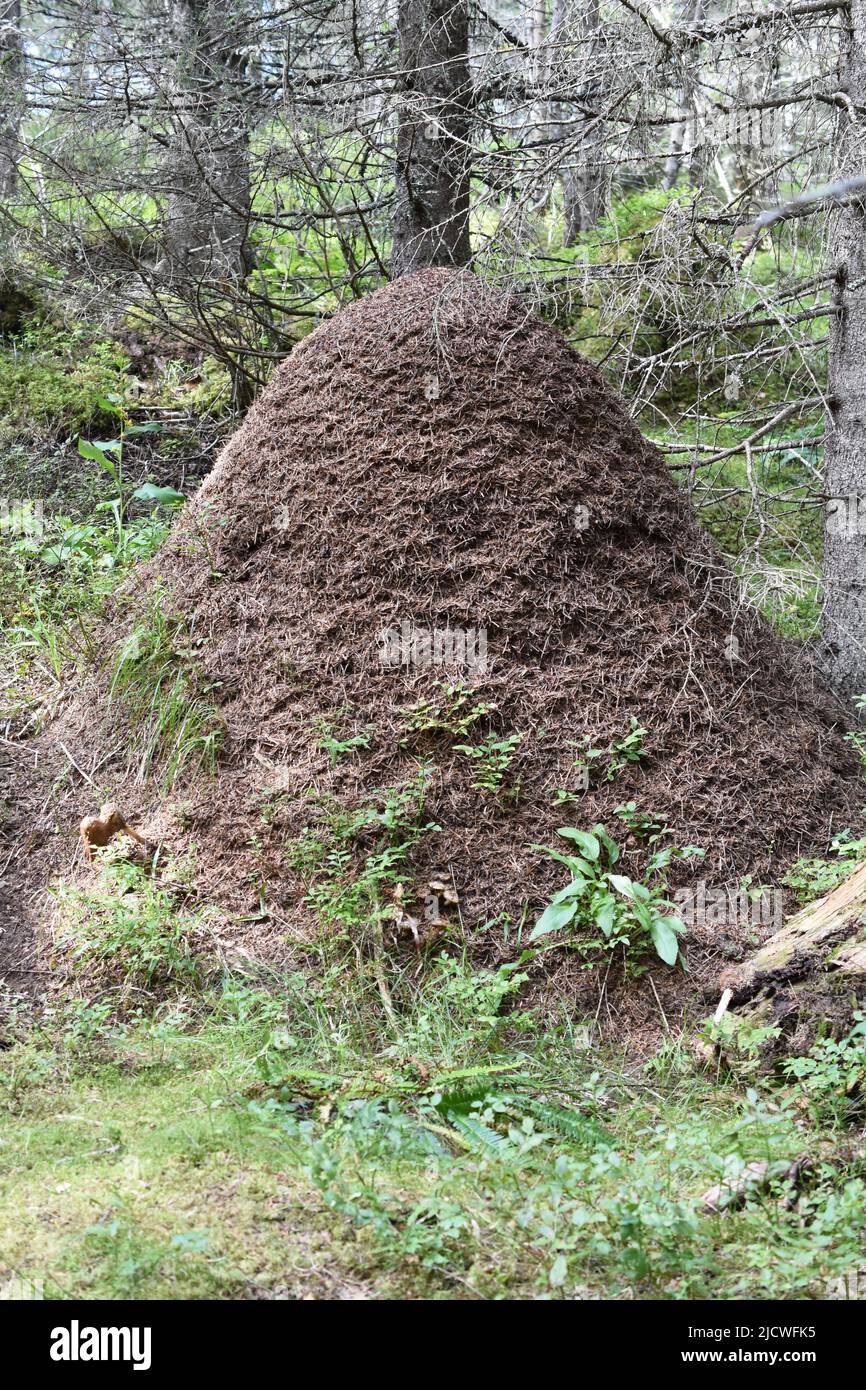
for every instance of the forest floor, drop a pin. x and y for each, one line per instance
(155, 1159)
(179, 1125)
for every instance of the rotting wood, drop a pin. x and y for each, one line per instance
(809, 977)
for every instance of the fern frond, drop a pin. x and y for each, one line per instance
(569, 1124)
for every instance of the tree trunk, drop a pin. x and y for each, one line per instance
(11, 83)
(844, 636)
(687, 126)
(207, 225)
(583, 183)
(431, 222)
(809, 977)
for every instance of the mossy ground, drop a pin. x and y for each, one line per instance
(246, 1143)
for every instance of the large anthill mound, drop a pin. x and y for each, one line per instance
(436, 459)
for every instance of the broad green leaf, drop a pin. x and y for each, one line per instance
(606, 917)
(675, 924)
(622, 885)
(571, 890)
(586, 842)
(554, 917)
(558, 1272)
(148, 492)
(610, 845)
(90, 451)
(571, 861)
(665, 940)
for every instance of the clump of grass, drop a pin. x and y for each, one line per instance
(155, 676)
(132, 930)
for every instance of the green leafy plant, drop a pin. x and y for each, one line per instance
(813, 878)
(621, 751)
(492, 759)
(563, 797)
(347, 880)
(453, 713)
(627, 749)
(643, 824)
(634, 915)
(108, 454)
(833, 1074)
(133, 929)
(337, 747)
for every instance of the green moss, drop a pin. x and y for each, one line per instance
(55, 379)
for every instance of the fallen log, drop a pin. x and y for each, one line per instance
(807, 980)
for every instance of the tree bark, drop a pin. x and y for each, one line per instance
(207, 224)
(583, 182)
(431, 222)
(11, 83)
(844, 632)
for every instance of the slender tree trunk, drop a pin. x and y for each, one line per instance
(844, 637)
(11, 83)
(431, 222)
(687, 126)
(577, 22)
(208, 208)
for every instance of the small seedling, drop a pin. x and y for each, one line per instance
(620, 752)
(336, 747)
(642, 824)
(453, 714)
(492, 759)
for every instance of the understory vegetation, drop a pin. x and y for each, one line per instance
(269, 1137)
(191, 1130)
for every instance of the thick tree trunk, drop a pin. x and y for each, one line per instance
(11, 93)
(844, 636)
(809, 977)
(431, 222)
(207, 224)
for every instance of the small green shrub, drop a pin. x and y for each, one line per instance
(621, 752)
(338, 747)
(813, 878)
(833, 1074)
(452, 713)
